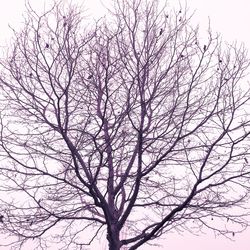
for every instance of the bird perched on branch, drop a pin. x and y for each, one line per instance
(47, 46)
(161, 31)
(1, 218)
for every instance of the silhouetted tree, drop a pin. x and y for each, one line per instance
(115, 130)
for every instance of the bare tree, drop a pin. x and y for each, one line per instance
(134, 126)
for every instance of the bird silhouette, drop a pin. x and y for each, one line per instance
(1, 218)
(205, 47)
(90, 76)
(220, 61)
(47, 46)
(161, 31)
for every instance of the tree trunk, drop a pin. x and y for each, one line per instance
(114, 246)
(114, 238)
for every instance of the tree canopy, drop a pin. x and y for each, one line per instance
(131, 127)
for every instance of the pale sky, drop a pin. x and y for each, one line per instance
(231, 18)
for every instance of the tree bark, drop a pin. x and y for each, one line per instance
(114, 238)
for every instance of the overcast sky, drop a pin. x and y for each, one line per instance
(231, 18)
